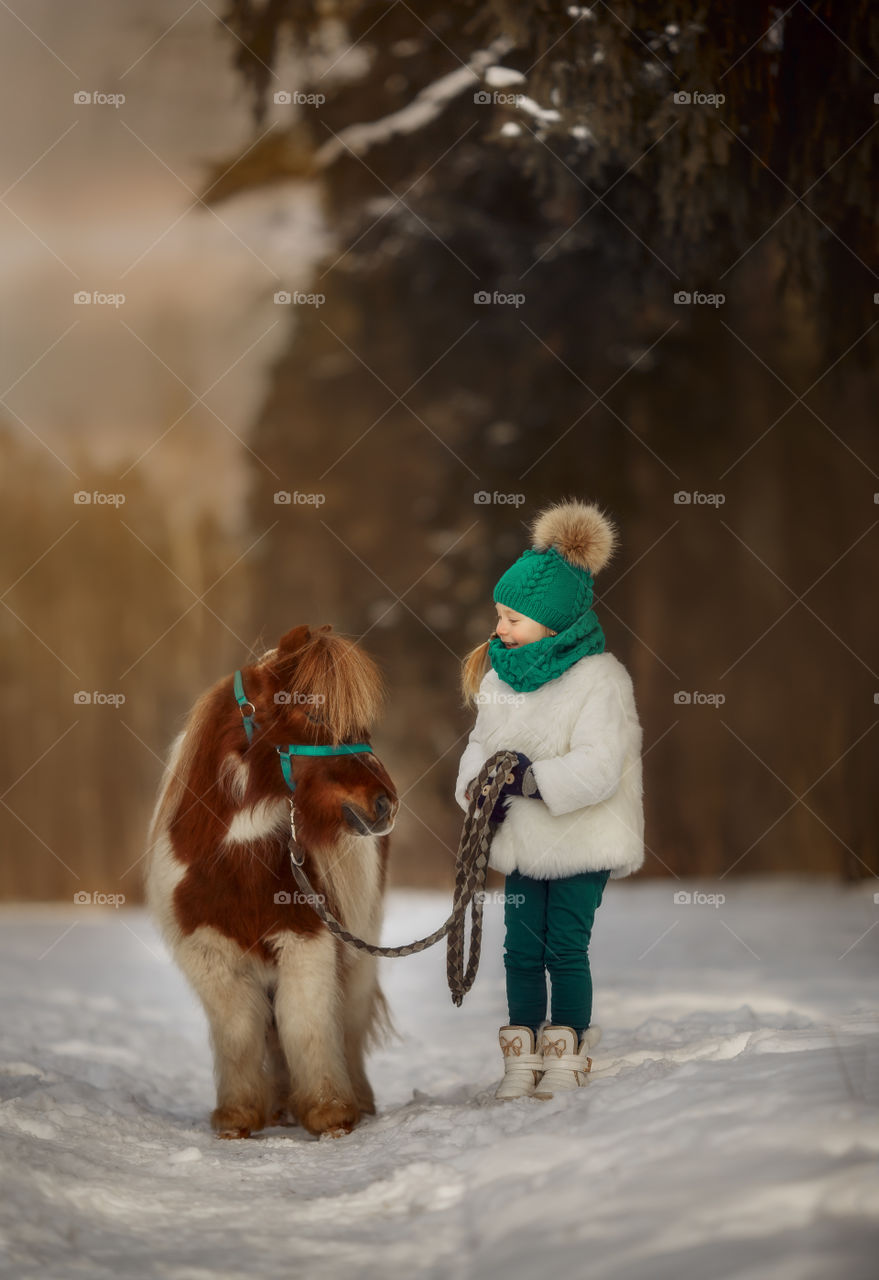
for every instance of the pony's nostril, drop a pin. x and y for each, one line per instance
(382, 805)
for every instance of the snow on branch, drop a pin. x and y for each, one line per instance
(425, 107)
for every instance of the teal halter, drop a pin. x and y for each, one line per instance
(249, 722)
(293, 748)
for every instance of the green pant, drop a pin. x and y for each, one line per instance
(548, 927)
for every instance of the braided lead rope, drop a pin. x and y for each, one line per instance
(470, 870)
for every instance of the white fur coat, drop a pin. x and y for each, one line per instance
(583, 734)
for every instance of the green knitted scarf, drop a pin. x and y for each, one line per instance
(527, 667)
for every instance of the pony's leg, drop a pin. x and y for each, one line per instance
(360, 1007)
(238, 1013)
(308, 1011)
(280, 1109)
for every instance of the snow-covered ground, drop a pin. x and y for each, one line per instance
(730, 1127)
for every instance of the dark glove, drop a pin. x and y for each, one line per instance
(521, 782)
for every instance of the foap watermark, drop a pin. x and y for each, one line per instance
(82, 98)
(696, 498)
(684, 898)
(97, 699)
(696, 98)
(286, 699)
(95, 298)
(497, 895)
(295, 97)
(284, 298)
(483, 498)
(686, 698)
(496, 697)
(97, 498)
(483, 98)
(283, 898)
(497, 299)
(284, 498)
(83, 899)
(684, 298)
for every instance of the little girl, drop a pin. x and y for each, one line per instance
(570, 815)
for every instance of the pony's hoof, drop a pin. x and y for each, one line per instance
(236, 1122)
(335, 1117)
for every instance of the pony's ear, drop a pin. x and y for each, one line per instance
(294, 640)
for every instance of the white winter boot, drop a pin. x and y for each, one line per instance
(523, 1062)
(567, 1066)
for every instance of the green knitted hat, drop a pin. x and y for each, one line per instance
(551, 582)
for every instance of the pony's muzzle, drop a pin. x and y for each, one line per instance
(377, 823)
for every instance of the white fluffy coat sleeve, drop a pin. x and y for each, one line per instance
(590, 772)
(472, 760)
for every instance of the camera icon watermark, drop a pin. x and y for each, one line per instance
(295, 97)
(684, 98)
(94, 297)
(97, 699)
(482, 896)
(483, 298)
(483, 498)
(286, 699)
(484, 98)
(284, 298)
(496, 698)
(696, 498)
(84, 498)
(284, 498)
(685, 298)
(684, 898)
(82, 99)
(684, 698)
(83, 899)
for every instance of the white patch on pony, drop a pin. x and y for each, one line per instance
(351, 867)
(260, 820)
(232, 986)
(308, 1011)
(172, 764)
(164, 870)
(235, 774)
(163, 874)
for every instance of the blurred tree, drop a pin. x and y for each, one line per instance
(544, 151)
(100, 599)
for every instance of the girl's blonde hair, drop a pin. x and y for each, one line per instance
(473, 668)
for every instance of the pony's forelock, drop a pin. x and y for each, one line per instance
(345, 678)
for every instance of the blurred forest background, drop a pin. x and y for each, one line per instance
(622, 252)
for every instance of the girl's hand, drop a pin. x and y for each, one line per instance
(521, 780)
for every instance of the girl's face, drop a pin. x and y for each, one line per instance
(514, 629)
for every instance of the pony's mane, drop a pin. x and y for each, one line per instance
(346, 679)
(184, 757)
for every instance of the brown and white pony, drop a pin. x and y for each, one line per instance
(291, 1008)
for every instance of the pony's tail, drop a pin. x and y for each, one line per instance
(473, 669)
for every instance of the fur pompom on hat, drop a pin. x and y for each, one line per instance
(551, 582)
(578, 531)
